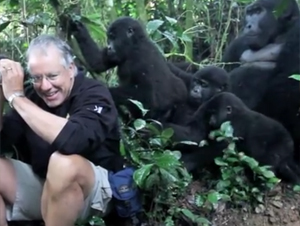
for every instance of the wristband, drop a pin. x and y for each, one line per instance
(13, 96)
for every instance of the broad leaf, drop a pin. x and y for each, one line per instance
(153, 25)
(141, 174)
(139, 124)
(296, 77)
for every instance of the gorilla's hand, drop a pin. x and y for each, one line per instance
(71, 26)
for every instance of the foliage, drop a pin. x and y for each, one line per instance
(233, 165)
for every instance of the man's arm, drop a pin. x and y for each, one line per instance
(43, 123)
(94, 117)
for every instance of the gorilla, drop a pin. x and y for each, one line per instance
(201, 86)
(265, 55)
(258, 48)
(142, 70)
(260, 137)
(187, 121)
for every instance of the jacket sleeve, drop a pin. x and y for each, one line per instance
(92, 120)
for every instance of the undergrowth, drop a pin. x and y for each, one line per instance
(163, 179)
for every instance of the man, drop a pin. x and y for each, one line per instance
(67, 125)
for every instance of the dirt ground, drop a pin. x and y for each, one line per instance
(281, 208)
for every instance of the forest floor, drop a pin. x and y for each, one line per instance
(281, 208)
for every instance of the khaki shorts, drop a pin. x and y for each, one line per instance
(27, 205)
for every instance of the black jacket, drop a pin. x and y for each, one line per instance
(92, 130)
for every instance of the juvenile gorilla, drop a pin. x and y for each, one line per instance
(201, 86)
(142, 70)
(187, 121)
(261, 137)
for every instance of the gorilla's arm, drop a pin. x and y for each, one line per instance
(95, 57)
(186, 66)
(268, 53)
(233, 53)
(185, 76)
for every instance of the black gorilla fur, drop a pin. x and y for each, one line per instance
(260, 137)
(186, 66)
(142, 70)
(201, 86)
(262, 80)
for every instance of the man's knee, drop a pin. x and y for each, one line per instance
(8, 180)
(65, 170)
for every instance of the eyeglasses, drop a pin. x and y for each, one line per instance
(37, 79)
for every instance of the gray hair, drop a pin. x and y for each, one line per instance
(43, 41)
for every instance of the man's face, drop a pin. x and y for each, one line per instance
(51, 80)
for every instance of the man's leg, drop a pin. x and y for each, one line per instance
(69, 183)
(3, 221)
(21, 191)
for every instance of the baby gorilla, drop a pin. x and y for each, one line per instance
(262, 138)
(201, 86)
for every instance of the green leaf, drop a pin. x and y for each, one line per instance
(220, 139)
(171, 38)
(227, 129)
(122, 148)
(166, 160)
(296, 188)
(231, 146)
(155, 141)
(141, 174)
(188, 142)
(268, 174)
(213, 197)
(250, 161)
(186, 38)
(168, 178)
(223, 184)
(274, 180)
(139, 124)
(140, 106)
(153, 25)
(167, 133)
(188, 214)
(220, 162)
(4, 25)
(238, 169)
(296, 77)
(153, 128)
(177, 154)
(171, 20)
(203, 143)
